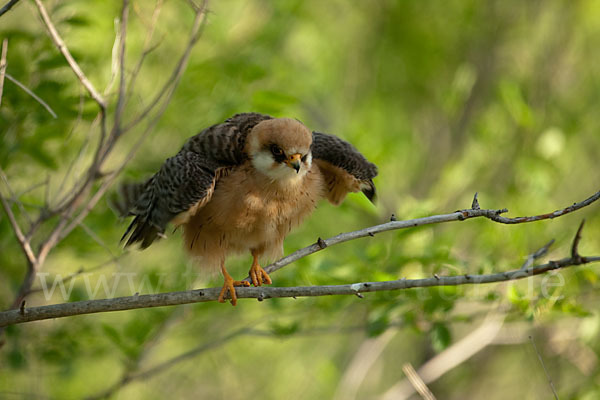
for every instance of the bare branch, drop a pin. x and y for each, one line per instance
(64, 200)
(532, 257)
(123, 41)
(3, 66)
(54, 237)
(475, 203)
(211, 294)
(417, 382)
(132, 371)
(7, 7)
(460, 215)
(194, 36)
(173, 80)
(62, 47)
(362, 362)
(554, 214)
(80, 271)
(187, 355)
(75, 206)
(575, 246)
(35, 96)
(203, 295)
(454, 355)
(147, 46)
(542, 360)
(14, 197)
(23, 241)
(371, 231)
(64, 227)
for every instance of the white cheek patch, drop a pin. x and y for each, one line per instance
(263, 162)
(308, 160)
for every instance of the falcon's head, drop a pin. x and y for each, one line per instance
(280, 149)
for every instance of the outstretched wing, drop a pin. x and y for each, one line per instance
(344, 168)
(186, 181)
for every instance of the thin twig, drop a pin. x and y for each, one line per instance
(417, 382)
(474, 204)
(448, 359)
(173, 80)
(194, 36)
(80, 271)
(131, 376)
(105, 146)
(211, 294)
(3, 66)
(262, 293)
(147, 47)
(62, 47)
(544, 367)
(14, 197)
(121, 96)
(32, 188)
(94, 236)
(189, 354)
(554, 214)
(114, 61)
(35, 96)
(161, 367)
(133, 367)
(575, 246)
(68, 199)
(103, 149)
(7, 7)
(541, 252)
(63, 227)
(54, 237)
(23, 242)
(460, 215)
(362, 362)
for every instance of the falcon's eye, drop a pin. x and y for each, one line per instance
(276, 150)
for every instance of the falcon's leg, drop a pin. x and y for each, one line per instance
(257, 273)
(229, 286)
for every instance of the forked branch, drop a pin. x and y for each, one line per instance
(62, 47)
(262, 293)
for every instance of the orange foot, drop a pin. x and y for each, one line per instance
(258, 274)
(229, 286)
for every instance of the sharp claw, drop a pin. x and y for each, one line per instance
(231, 290)
(257, 278)
(224, 291)
(229, 286)
(267, 278)
(259, 275)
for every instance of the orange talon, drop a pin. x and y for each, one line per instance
(257, 273)
(229, 286)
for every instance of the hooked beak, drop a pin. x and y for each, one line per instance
(294, 161)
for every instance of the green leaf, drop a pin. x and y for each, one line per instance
(440, 336)
(16, 360)
(284, 329)
(378, 325)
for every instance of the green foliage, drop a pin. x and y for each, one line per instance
(440, 336)
(447, 98)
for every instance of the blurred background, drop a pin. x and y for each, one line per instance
(447, 98)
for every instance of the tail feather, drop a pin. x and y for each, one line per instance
(144, 232)
(368, 188)
(128, 194)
